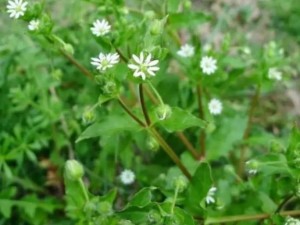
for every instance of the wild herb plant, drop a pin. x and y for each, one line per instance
(146, 121)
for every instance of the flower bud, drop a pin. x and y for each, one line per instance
(181, 182)
(105, 208)
(125, 222)
(73, 170)
(68, 48)
(88, 117)
(156, 27)
(154, 217)
(187, 4)
(152, 144)
(252, 166)
(163, 112)
(110, 87)
(150, 14)
(210, 127)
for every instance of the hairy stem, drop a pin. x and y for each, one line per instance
(127, 110)
(188, 144)
(143, 105)
(82, 186)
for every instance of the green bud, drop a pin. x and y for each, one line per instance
(152, 144)
(163, 112)
(100, 79)
(276, 147)
(210, 127)
(73, 170)
(68, 48)
(181, 182)
(187, 4)
(252, 166)
(149, 15)
(88, 117)
(154, 217)
(105, 208)
(110, 87)
(57, 74)
(156, 27)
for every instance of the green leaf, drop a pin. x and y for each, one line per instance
(142, 198)
(226, 136)
(197, 190)
(110, 125)
(181, 120)
(268, 205)
(187, 19)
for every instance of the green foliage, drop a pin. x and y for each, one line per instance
(150, 131)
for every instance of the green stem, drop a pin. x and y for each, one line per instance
(123, 105)
(156, 93)
(82, 186)
(170, 152)
(229, 219)
(175, 199)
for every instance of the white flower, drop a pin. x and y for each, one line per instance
(207, 47)
(127, 177)
(186, 51)
(274, 74)
(208, 65)
(143, 66)
(100, 28)
(34, 25)
(16, 8)
(105, 61)
(292, 221)
(215, 106)
(210, 195)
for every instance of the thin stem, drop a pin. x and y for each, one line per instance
(156, 93)
(253, 105)
(77, 64)
(170, 152)
(284, 202)
(175, 199)
(82, 186)
(202, 137)
(188, 144)
(143, 105)
(123, 105)
(248, 217)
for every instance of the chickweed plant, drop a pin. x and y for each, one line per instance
(122, 112)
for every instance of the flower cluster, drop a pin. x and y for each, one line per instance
(186, 51)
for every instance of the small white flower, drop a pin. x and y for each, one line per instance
(127, 177)
(207, 47)
(215, 106)
(105, 61)
(292, 221)
(208, 65)
(186, 51)
(210, 195)
(143, 66)
(246, 50)
(274, 74)
(34, 25)
(16, 8)
(100, 28)
(252, 167)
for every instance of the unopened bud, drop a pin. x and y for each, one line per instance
(150, 14)
(73, 170)
(156, 27)
(88, 117)
(68, 48)
(109, 88)
(181, 183)
(154, 217)
(163, 112)
(152, 144)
